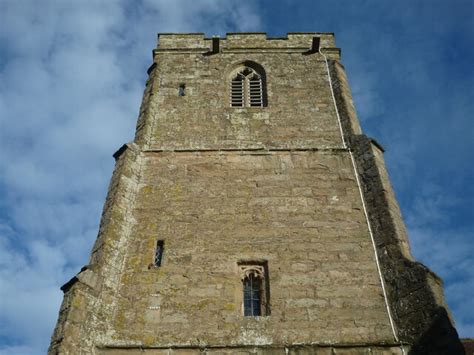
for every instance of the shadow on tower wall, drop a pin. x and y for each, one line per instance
(414, 292)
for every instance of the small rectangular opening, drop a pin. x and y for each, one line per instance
(215, 45)
(182, 90)
(315, 45)
(158, 253)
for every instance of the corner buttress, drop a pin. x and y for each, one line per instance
(415, 293)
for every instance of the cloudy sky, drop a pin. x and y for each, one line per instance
(71, 79)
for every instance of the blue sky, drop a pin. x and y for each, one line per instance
(71, 78)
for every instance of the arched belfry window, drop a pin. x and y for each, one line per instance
(247, 88)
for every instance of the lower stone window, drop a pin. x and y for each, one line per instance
(255, 288)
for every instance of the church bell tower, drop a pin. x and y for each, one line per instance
(251, 215)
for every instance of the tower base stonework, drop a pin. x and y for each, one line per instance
(250, 184)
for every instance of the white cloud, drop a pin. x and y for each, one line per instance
(70, 89)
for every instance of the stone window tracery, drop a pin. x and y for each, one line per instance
(247, 88)
(255, 289)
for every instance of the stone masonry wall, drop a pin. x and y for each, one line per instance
(300, 211)
(342, 95)
(300, 113)
(290, 349)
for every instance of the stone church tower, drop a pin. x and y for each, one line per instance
(251, 215)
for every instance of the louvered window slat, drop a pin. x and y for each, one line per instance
(255, 86)
(237, 91)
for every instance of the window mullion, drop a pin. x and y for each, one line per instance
(247, 92)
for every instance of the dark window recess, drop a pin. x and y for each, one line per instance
(182, 90)
(252, 296)
(215, 45)
(158, 253)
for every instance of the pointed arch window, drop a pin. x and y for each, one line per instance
(247, 88)
(255, 289)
